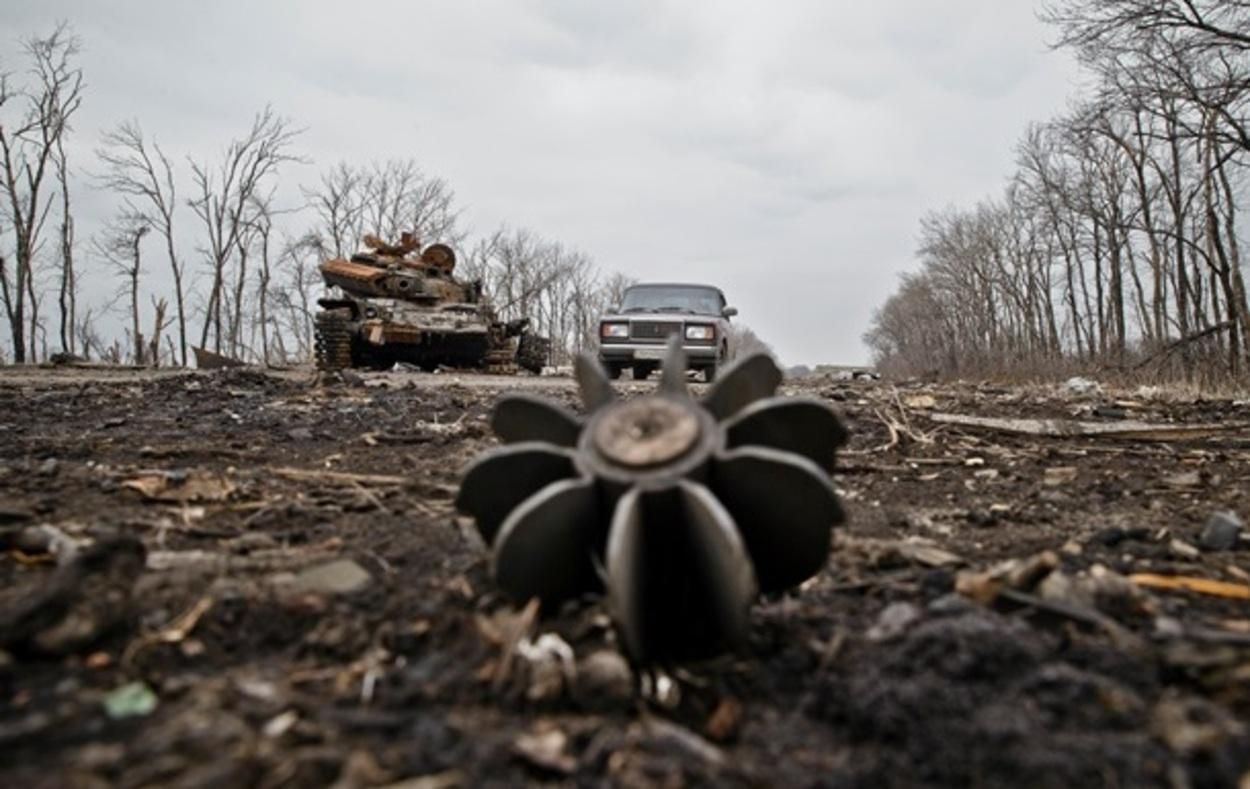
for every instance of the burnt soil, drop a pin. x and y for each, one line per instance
(192, 502)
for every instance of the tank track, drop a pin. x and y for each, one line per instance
(333, 340)
(532, 353)
(500, 361)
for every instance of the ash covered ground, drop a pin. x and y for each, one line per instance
(252, 579)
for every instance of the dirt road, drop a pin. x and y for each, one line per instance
(250, 579)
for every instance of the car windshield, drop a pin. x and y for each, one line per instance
(673, 298)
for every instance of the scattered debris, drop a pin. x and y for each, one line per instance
(920, 401)
(545, 749)
(81, 602)
(1057, 476)
(1066, 428)
(725, 721)
(339, 477)
(1018, 574)
(1185, 583)
(872, 674)
(182, 486)
(1221, 532)
(893, 621)
(549, 664)
(1081, 386)
(210, 360)
(341, 576)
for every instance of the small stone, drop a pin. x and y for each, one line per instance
(952, 604)
(48, 467)
(1221, 532)
(982, 518)
(1168, 627)
(893, 621)
(605, 676)
(545, 748)
(299, 434)
(135, 700)
(341, 576)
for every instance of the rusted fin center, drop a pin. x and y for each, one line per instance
(647, 431)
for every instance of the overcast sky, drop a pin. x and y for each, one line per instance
(784, 151)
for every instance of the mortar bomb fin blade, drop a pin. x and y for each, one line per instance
(592, 382)
(801, 425)
(785, 508)
(502, 478)
(673, 374)
(525, 417)
(680, 583)
(751, 378)
(546, 547)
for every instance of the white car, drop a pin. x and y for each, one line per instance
(636, 332)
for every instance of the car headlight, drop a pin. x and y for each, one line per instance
(614, 331)
(700, 333)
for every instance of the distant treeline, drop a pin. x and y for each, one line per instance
(239, 267)
(1116, 242)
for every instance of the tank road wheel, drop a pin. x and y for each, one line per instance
(333, 340)
(532, 353)
(500, 360)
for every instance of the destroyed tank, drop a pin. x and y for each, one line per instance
(400, 303)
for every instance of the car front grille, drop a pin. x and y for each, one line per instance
(653, 330)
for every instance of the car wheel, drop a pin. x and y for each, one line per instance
(642, 371)
(709, 374)
(613, 370)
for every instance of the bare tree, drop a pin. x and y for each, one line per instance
(224, 202)
(29, 147)
(120, 247)
(143, 174)
(386, 199)
(68, 295)
(159, 324)
(1117, 242)
(292, 295)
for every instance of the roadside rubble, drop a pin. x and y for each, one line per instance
(251, 579)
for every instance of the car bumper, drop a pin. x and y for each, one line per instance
(628, 353)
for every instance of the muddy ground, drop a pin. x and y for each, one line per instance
(257, 579)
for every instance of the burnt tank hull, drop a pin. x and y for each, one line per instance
(399, 308)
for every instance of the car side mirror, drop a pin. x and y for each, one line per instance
(615, 308)
(729, 312)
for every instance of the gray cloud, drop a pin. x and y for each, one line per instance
(784, 151)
